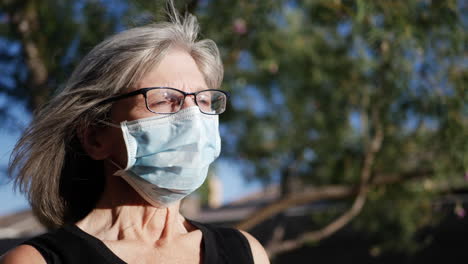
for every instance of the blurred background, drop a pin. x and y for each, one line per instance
(346, 138)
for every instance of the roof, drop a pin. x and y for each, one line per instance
(20, 224)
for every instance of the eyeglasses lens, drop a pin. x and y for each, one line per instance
(166, 101)
(211, 102)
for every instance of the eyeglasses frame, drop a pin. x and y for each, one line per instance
(145, 90)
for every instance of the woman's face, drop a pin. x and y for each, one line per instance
(178, 70)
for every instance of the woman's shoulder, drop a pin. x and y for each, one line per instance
(258, 252)
(22, 254)
(32, 250)
(62, 245)
(233, 240)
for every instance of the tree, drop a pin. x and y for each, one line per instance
(362, 102)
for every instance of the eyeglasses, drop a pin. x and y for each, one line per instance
(167, 100)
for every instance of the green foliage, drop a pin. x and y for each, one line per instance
(394, 214)
(61, 31)
(314, 79)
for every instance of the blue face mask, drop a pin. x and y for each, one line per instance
(168, 156)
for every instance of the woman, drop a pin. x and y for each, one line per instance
(108, 160)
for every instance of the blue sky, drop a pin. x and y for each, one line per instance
(11, 201)
(9, 133)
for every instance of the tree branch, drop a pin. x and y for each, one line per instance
(25, 22)
(276, 248)
(323, 193)
(330, 192)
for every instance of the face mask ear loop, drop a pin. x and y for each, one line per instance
(108, 123)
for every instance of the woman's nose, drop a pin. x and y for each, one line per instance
(189, 101)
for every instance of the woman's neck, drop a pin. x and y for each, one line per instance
(121, 214)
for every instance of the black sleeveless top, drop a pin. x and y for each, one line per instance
(71, 245)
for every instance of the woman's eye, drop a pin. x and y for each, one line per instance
(204, 100)
(168, 100)
(162, 102)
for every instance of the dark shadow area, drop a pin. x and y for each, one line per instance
(449, 245)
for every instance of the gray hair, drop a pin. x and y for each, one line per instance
(62, 183)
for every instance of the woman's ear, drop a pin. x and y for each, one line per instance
(94, 142)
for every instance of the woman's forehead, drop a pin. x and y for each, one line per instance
(178, 70)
